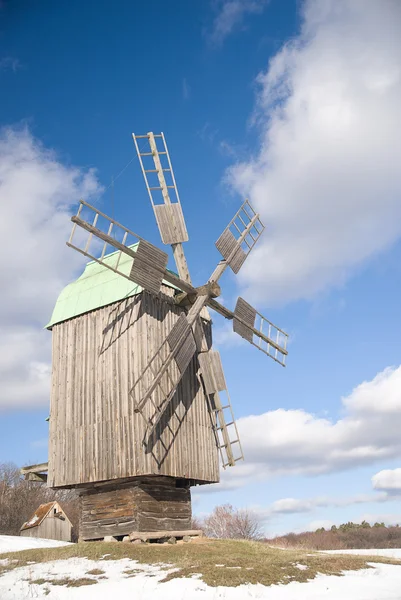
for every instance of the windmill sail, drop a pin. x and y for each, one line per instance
(149, 266)
(163, 194)
(170, 220)
(240, 236)
(171, 360)
(260, 332)
(162, 363)
(223, 421)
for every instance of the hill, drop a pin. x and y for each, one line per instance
(189, 570)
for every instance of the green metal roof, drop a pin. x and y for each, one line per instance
(97, 286)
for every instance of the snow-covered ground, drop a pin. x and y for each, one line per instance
(12, 543)
(127, 578)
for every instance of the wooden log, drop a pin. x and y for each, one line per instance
(41, 468)
(41, 477)
(155, 535)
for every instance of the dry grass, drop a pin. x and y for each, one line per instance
(95, 572)
(67, 581)
(240, 561)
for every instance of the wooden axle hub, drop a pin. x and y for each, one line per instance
(210, 289)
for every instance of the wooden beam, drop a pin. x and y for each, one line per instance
(41, 468)
(41, 477)
(155, 535)
(169, 277)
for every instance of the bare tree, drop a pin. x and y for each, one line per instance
(20, 498)
(196, 523)
(229, 523)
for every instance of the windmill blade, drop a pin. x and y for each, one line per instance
(222, 418)
(223, 422)
(176, 351)
(166, 367)
(163, 196)
(255, 328)
(173, 356)
(212, 371)
(240, 236)
(149, 266)
(259, 331)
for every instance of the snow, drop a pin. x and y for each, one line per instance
(130, 579)
(389, 552)
(33, 520)
(13, 543)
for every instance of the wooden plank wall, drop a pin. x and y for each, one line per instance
(155, 504)
(95, 435)
(52, 528)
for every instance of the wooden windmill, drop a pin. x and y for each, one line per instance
(139, 404)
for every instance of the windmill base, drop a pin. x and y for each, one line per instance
(146, 504)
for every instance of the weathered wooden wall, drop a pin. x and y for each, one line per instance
(95, 435)
(52, 528)
(153, 504)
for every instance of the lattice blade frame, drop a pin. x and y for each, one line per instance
(222, 416)
(260, 332)
(225, 428)
(240, 236)
(149, 266)
(166, 367)
(163, 194)
(125, 241)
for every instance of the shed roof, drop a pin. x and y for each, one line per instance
(98, 286)
(39, 515)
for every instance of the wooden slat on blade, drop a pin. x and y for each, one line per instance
(212, 371)
(180, 330)
(149, 267)
(170, 220)
(185, 353)
(207, 374)
(237, 260)
(246, 313)
(182, 343)
(218, 370)
(226, 243)
(231, 250)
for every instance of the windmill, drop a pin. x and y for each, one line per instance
(139, 407)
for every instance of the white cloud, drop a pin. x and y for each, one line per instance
(9, 62)
(36, 193)
(224, 336)
(295, 442)
(230, 16)
(306, 505)
(326, 175)
(388, 480)
(386, 518)
(317, 524)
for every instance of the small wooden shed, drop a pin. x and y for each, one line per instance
(50, 522)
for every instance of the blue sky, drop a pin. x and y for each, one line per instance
(293, 104)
